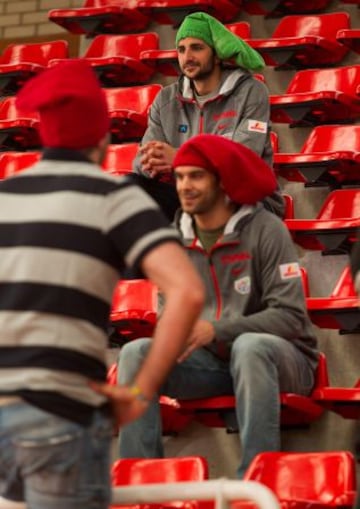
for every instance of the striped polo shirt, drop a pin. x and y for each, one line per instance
(67, 230)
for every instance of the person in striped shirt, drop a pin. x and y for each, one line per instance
(67, 231)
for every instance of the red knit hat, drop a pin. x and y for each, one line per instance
(245, 176)
(71, 104)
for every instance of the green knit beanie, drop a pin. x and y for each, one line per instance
(226, 44)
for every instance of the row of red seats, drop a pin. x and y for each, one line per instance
(296, 410)
(117, 16)
(122, 60)
(311, 480)
(313, 97)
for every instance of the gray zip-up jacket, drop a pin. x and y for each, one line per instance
(240, 111)
(252, 280)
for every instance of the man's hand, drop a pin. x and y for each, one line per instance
(157, 157)
(202, 334)
(126, 407)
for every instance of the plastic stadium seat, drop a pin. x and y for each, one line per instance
(18, 130)
(306, 480)
(101, 17)
(344, 401)
(349, 37)
(130, 471)
(341, 310)
(119, 158)
(13, 162)
(304, 41)
(278, 8)
(19, 62)
(329, 156)
(166, 61)
(296, 410)
(116, 58)
(319, 96)
(334, 230)
(172, 12)
(128, 109)
(134, 308)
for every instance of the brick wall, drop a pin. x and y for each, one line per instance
(27, 19)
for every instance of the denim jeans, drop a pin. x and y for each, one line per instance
(260, 367)
(52, 463)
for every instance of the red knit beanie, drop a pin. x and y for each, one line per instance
(71, 104)
(245, 176)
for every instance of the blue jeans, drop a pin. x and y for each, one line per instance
(261, 366)
(53, 463)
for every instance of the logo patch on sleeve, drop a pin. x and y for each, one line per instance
(243, 285)
(289, 270)
(182, 128)
(257, 126)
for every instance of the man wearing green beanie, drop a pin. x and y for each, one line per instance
(215, 94)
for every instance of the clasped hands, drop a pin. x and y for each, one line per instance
(156, 157)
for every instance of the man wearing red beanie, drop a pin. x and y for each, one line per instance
(67, 231)
(254, 337)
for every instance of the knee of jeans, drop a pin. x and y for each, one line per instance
(131, 357)
(252, 347)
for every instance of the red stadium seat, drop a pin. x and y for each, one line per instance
(279, 8)
(18, 130)
(19, 62)
(172, 12)
(100, 17)
(289, 206)
(334, 230)
(119, 158)
(329, 156)
(350, 37)
(166, 61)
(296, 410)
(319, 96)
(306, 480)
(134, 309)
(344, 401)
(304, 41)
(341, 310)
(13, 162)
(116, 58)
(130, 471)
(128, 109)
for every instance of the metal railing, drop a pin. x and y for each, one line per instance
(222, 491)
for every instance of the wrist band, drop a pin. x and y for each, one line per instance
(137, 392)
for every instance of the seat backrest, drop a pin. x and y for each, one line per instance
(241, 29)
(341, 204)
(130, 471)
(9, 110)
(341, 79)
(119, 158)
(130, 45)
(323, 477)
(329, 138)
(38, 52)
(137, 98)
(13, 162)
(344, 286)
(132, 295)
(321, 25)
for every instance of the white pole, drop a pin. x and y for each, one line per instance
(220, 490)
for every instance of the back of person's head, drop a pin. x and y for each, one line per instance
(246, 177)
(71, 104)
(226, 45)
